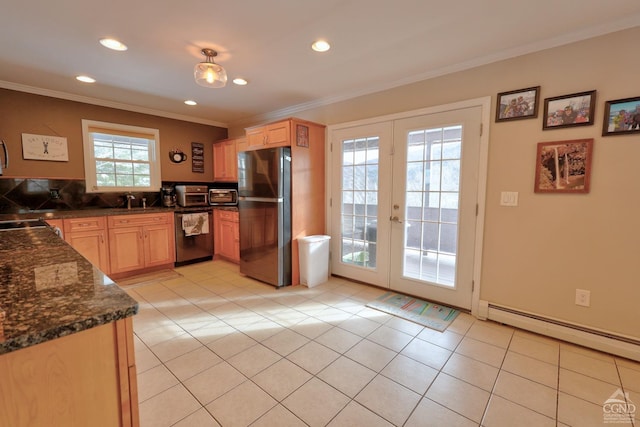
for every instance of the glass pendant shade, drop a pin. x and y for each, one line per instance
(208, 73)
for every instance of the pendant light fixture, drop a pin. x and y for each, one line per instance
(208, 73)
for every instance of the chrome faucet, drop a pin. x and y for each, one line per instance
(129, 197)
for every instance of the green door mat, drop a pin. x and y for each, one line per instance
(425, 313)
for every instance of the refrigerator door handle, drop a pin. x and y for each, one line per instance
(260, 199)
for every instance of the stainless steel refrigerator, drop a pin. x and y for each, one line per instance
(264, 203)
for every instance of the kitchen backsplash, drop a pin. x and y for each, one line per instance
(25, 194)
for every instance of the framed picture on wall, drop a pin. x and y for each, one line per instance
(564, 166)
(621, 117)
(518, 104)
(563, 111)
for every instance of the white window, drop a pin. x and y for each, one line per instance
(120, 157)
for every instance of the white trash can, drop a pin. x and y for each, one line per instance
(314, 259)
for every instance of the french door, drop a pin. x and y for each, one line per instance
(405, 195)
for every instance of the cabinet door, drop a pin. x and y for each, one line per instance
(92, 245)
(256, 138)
(219, 163)
(227, 239)
(159, 246)
(231, 161)
(126, 249)
(278, 134)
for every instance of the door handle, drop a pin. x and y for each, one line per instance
(396, 219)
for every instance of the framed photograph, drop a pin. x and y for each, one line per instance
(518, 104)
(621, 117)
(302, 136)
(563, 166)
(576, 109)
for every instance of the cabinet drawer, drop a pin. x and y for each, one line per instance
(84, 224)
(228, 216)
(117, 221)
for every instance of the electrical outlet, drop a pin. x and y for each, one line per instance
(583, 297)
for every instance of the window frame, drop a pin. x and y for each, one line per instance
(127, 130)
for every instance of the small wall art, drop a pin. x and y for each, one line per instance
(563, 166)
(518, 104)
(563, 111)
(197, 157)
(302, 136)
(621, 117)
(44, 147)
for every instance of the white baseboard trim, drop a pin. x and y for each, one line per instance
(582, 335)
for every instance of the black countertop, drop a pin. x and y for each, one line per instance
(91, 212)
(48, 290)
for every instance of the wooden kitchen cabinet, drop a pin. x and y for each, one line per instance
(83, 379)
(88, 236)
(141, 242)
(225, 160)
(270, 135)
(227, 235)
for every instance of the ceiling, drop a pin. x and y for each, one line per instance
(45, 44)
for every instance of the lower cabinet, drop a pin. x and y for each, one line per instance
(88, 236)
(226, 238)
(120, 244)
(83, 379)
(138, 242)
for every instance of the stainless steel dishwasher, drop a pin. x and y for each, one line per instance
(194, 248)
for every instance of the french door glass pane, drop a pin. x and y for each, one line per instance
(359, 204)
(432, 200)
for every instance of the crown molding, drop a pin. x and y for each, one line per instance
(110, 104)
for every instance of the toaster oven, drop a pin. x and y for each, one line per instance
(192, 195)
(223, 197)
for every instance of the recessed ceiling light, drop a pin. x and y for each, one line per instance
(113, 44)
(240, 81)
(190, 102)
(321, 46)
(85, 79)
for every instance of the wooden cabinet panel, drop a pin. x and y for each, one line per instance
(141, 219)
(272, 135)
(92, 245)
(226, 236)
(141, 241)
(84, 224)
(225, 161)
(256, 138)
(279, 134)
(72, 381)
(126, 249)
(88, 236)
(158, 244)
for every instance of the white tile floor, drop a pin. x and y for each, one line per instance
(214, 348)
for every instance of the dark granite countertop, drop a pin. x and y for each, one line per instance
(90, 212)
(48, 290)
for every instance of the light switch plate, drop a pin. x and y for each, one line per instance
(509, 198)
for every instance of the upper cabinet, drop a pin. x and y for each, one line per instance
(271, 135)
(225, 160)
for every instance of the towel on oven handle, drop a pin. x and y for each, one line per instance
(195, 224)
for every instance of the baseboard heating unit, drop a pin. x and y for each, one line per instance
(617, 344)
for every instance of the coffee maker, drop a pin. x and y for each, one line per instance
(168, 197)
